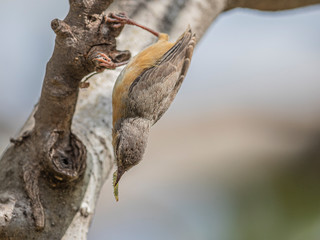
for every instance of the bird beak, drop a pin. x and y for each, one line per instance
(116, 177)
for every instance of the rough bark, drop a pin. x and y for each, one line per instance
(52, 174)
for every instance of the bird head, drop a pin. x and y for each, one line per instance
(129, 143)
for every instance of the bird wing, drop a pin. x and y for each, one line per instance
(151, 94)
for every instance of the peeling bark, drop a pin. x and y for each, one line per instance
(52, 174)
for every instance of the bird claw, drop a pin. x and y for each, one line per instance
(118, 20)
(104, 62)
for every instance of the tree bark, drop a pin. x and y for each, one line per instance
(53, 172)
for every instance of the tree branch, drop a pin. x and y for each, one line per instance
(271, 5)
(41, 172)
(49, 157)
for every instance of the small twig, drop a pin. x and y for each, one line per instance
(84, 83)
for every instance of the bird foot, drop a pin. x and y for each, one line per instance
(104, 62)
(120, 19)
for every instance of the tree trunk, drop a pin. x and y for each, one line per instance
(52, 173)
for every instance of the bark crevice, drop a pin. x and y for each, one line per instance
(50, 155)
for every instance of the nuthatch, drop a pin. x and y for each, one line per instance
(143, 92)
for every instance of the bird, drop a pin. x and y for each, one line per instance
(143, 92)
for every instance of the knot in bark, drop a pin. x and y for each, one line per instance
(65, 162)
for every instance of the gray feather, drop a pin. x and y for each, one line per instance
(151, 94)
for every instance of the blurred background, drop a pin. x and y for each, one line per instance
(236, 157)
